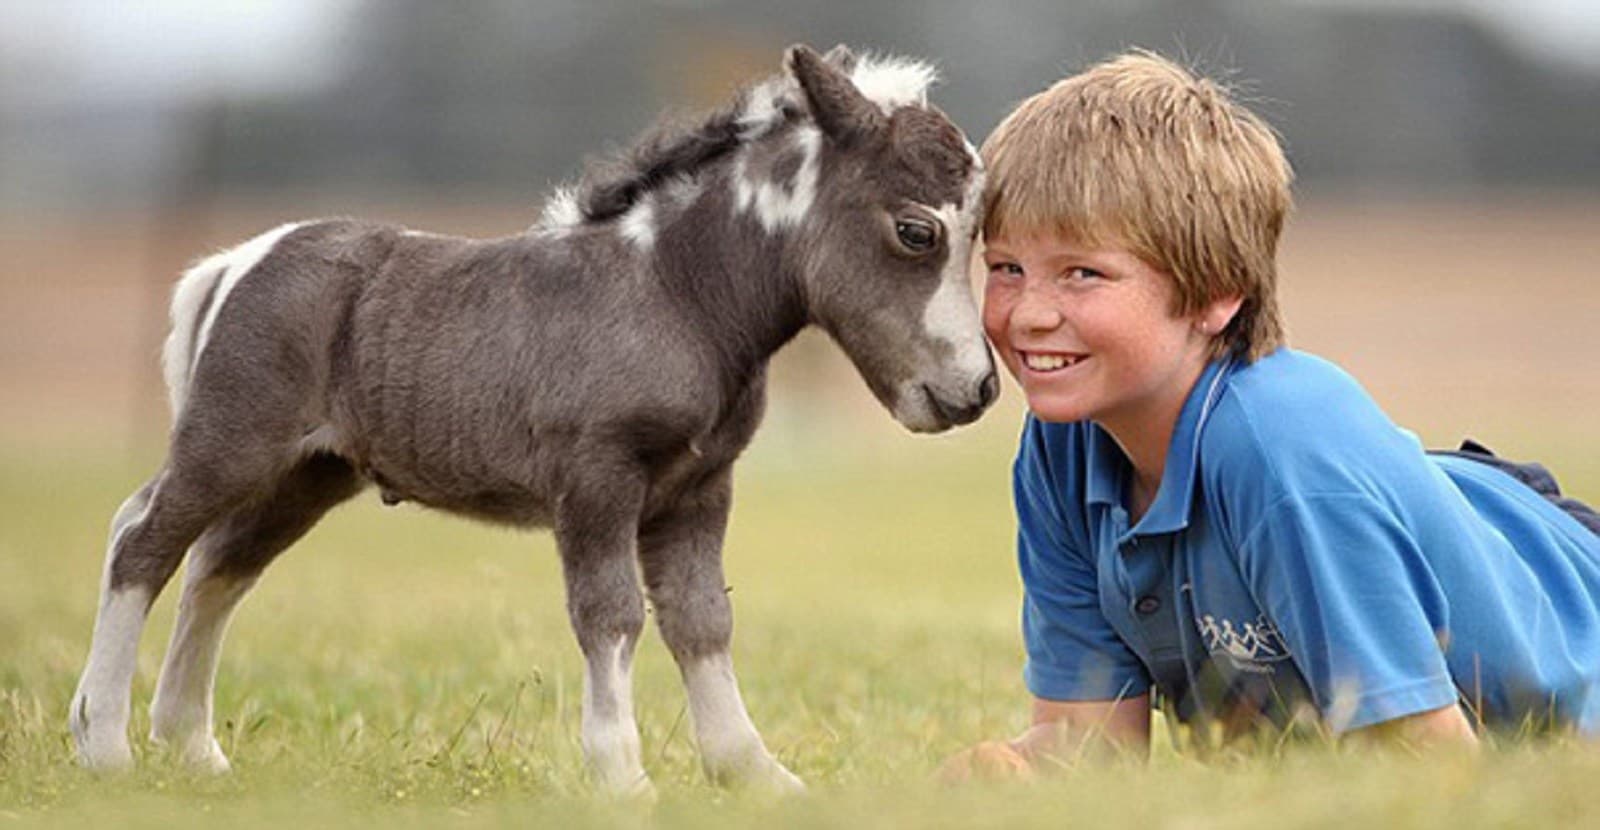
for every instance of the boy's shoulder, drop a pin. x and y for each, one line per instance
(1292, 414)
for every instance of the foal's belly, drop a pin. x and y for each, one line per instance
(475, 491)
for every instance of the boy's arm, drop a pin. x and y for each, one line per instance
(1062, 732)
(1066, 730)
(1438, 727)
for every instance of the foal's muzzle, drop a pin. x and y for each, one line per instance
(966, 407)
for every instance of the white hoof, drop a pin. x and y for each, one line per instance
(636, 788)
(208, 758)
(199, 752)
(761, 772)
(99, 749)
(105, 755)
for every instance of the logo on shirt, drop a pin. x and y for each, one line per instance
(1251, 646)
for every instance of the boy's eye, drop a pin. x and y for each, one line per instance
(1081, 273)
(1009, 269)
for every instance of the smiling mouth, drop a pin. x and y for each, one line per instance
(1041, 362)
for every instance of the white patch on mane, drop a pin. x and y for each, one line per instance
(638, 225)
(681, 191)
(561, 211)
(224, 270)
(761, 111)
(892, 82)
(782, 204)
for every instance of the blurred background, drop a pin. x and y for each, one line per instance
(1448, 153)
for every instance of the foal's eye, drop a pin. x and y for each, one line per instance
(919, 236)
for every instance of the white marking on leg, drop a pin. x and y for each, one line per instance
(638, 225)
(181, 713)
(100, 708)
(225, 269)
(782, 204)
(730, 746)
(610, 733)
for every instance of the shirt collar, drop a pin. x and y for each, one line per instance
(1108, 467)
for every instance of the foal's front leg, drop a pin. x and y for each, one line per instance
(681, 555)
(596, 531)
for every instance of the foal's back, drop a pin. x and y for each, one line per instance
(459, 373)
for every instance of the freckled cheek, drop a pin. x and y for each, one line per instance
(997, 309)
(996, 313)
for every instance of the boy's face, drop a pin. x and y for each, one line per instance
(1089, 333)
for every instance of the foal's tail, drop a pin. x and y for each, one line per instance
(196, 300)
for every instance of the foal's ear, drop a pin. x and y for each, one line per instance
(840, 109)
(842, 58)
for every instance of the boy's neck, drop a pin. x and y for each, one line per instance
(1145, 437)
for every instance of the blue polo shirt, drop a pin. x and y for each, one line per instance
(1303, 549)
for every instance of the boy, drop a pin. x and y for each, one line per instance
(1211, 517)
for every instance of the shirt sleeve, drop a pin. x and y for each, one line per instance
(1073, 653)
(1355, 601)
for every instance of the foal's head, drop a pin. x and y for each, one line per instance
(886, 245)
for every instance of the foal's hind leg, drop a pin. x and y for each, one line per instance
(99, 714)
(148, 538)
(681, 555)
(224, 565)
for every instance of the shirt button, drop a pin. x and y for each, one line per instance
(1147, 606)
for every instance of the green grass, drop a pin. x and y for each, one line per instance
(404, 667)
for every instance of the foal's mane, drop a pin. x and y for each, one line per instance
(670, 149)
(676, 148)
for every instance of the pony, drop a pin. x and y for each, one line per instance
(597, 374)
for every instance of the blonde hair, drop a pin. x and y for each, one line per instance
(1138, 152)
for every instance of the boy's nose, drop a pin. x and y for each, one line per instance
(1034, 312)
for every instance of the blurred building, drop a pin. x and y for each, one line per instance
(507, 97)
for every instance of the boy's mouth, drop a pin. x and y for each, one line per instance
(1050, 361)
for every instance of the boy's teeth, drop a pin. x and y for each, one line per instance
(1049, 362)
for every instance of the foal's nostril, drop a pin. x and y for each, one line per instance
(953, 414)
(990, 390)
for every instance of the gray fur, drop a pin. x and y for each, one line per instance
(563, 377)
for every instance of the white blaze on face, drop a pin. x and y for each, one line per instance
(951, 314)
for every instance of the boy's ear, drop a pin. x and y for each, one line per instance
(843, 113)
(1217, 314)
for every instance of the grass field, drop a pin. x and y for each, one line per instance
(404, 668)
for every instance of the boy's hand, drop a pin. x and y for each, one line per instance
(988, 761)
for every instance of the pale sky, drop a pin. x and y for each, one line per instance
(174, 48)
(1555, 31)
